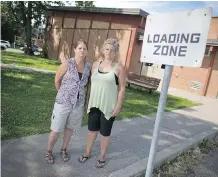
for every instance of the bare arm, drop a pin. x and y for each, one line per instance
(59, 74)
(122, 87)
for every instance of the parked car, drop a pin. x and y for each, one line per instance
(34, 48)
(7, 43)
(3, 46)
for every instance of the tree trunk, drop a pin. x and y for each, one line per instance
(29, 29)
(46, 38)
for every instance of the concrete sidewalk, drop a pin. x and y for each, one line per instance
(128, 152)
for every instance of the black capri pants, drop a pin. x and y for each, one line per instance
(97, 122)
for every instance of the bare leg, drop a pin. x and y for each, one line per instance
(105, 140)
(67, 136)
(90, 141)
(52, 139)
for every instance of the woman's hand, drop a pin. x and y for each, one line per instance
(122, 86)
(116, 111)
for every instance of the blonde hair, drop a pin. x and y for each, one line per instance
(110, 41)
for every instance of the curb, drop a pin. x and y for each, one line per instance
(27, 69)
(138, 169)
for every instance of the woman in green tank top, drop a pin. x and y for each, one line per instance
(108, 81)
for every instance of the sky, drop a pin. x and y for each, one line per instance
(154, 7)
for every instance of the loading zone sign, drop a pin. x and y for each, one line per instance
(177, 39)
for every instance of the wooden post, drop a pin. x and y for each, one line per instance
(130, 50)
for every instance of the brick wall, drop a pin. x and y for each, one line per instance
(182, 77)
(213, 32)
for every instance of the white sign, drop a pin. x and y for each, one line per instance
(176, 38)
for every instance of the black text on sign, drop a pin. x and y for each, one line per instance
(165, 43)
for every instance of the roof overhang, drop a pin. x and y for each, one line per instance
(212, 42)
(127, 11)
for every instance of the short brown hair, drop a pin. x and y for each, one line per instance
(81, 41)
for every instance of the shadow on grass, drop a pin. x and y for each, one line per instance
(27, 102)
(31, 61)
(18, 55)
(28, 98)
(139, 102)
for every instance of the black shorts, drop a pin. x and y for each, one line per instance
(97, 122)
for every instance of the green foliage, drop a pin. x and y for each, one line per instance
(85, 3)
(9, 24)
(19, 17)
(26, 14)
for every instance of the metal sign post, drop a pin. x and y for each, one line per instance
(173, 39)
(159, 117)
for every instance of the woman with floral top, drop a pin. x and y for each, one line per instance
(70, 80)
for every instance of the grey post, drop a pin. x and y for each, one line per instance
(159, 117)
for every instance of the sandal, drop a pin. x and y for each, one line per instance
(49, 157)
(100, 164)
(64, 155)
(83, 158)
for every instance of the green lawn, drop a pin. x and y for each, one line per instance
(20, 59)
(28, 98)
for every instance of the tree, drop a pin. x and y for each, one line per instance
(9, 25)
(84, 4)
(19, 17)
(28, 14)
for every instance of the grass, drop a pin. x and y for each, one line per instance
(184, 164)
(28, 98)
(27, 101)
(20, 59)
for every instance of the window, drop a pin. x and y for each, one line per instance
(207, 51)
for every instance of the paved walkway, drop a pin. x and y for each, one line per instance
(128, 152)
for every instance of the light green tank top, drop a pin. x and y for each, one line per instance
(104, 92)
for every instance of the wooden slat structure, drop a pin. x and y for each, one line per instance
(149, 83)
